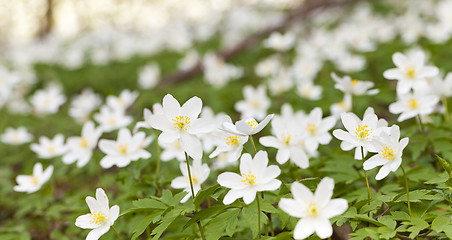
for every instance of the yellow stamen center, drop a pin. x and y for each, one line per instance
(255, 104)
(83, 142)
(286, 139)
(362, 132)
(252, 123)
(311, 128)
(232, 140)
(98, 217)
(249, 179)
(123, 148)
(388, 153)
(312, 210)
(51, 149)
(176, 144)
(112, 121)
(412, 103)
(342, 105)
(410, 72)
(181, 123)
(193, 179)
(354, 82)
(34, 180)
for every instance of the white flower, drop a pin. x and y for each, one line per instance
(190, 59)
(413, 104)
(280, 42)
(34, 182)
(411, 72)
(217, 72)
(84, 104)
(172, 151)
(16, 136)
(124, 101)
(181, 123)
(353, 86)
(315, 210)
(81, 148)
(359, 133)
(49, 148)
(199, 173)
(441, 87)
(101, 217)
(156, 109)
(149, 76)
(227, 142)
(280, 82)
(308, 90)
(255, 177)
(125, 149)
(317, 129)
(256, 103)
(268, 67)
(389, 153)
(287, 141)
(47, 101)
(222, 161)
(343, 106)
(247, 126)
(111, 119)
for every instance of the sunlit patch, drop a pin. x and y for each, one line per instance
(181, 123)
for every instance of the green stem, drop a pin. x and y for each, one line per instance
(201, 230)
(117, 234)
(365, 175)
(271, 224)
(421, 124)
(407, 190)
(157, 168)
(252, 143)
(258, 216)
(446, 110)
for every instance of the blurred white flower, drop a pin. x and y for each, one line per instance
(125, 149)
(316, 129)
(149, 76)
(412, 104)
(16, 136)
(308, 90)
(199, 173)
(268, 67)
(49, 148)
(315, 210)
(101, 217)
(190, 59)
(124, 101)
(389, 153)
(81, 148)
(172, 151)
(34, 182)
(156, 109)
(84, 104)
(255, 104)
(247, 126)
(47, 101)
(227, 142)
(280, 42)
(217, 72)
(345, 105)
(353, 86)
(255, 177)
(111, 119)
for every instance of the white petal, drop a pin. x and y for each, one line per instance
(192, 107)
(191, 145)
(232, 195)
(299, 157)
(171, 107)
(84, 222)
(98, 232)
(304, 228)
(335, 207)
(291, 207)
(373, 162)
(114, 214)
(282, 155)
(231, 180)
(384, 171)
(301, 193)
(180, 182)
(323, 227)
(324, 191)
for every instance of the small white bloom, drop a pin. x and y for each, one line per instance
(247, 126)
(111, 119)
(343, 106)
(156, 109)
(280, 42)
(255, 177)
(81, 148)
(84, 104)
(217, 72)
(268, 67)
(172, 151)
(227, 142)
(389, 153)
(190, 59)
(199, 173)
(16, 136)
(182, 123)
(47, 101)
(124, 101)
(412, 104)
(315, 210)
(308, 90)
(49, 148)
(34, 182)
(101, 217)
(353, 86)
(149, 76)
(411, 72)
(256, 103)
(125, 149)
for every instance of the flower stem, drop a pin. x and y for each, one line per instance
(117, 234)
(365, 175)
(201, 230)
(252, 143)
(258, 216)
(446, 110)
(421, 124)
(407, 190)
(157, 168)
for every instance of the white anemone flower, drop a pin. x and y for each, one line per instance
(80, 149)
(316, 129)
(49, 148)
(34, 182)
(125, 149)
(412, 104)
(255, 177)
(111, 119)
(199, 173)
(280, 42)
(411, 72)
(353, 86)
(182, 123)
(315, 210)
(345, 105)
(101, 218)
(156, 109)
(47, 101)
(149, 76)
(255, 104)
(227, 142)
(248, 126)
(124, 101)
(172, 151)
(287, 141)
(83, 105)
(359, 133)
(389, 154)
(16, 136)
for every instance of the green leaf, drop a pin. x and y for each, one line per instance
(446, 194)
(149, 203)
(223, 221)
(388, 221)
(249, 213)
(442, 224)
(416, 225)
(446, 164)
(204, 194)
(386, 232)
(311, 183)
(266, 206)
(166, 221)
(141, 227)
(205, 214)
(365, 233)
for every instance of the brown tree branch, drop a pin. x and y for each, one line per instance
(297, 14)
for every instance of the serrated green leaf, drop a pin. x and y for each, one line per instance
(226, 220)
(311, 183)
(166, 221)
(446, 194)
(416, 225)
(441, 224)
(249, 213)
(365, 233)
(399, 215)
(446, 164)
(205, 214)
(143, 224)
(386, 232)
(149, 203)
(388, 221)
(267, 206)
(204, 194)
